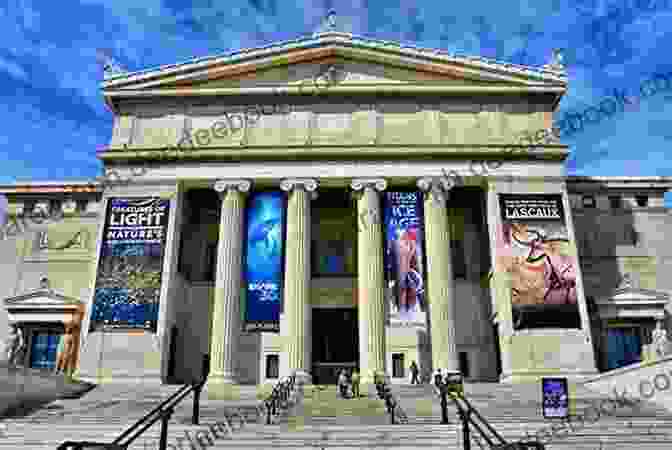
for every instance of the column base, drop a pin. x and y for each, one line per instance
(303, 377)
(367, 383)
(223, 387)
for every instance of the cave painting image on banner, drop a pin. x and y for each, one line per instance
(128, 281)
(264, 261)
(404, 256)
(534, 246)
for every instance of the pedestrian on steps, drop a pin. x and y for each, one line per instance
(343, 383)
(355, 383)
(414, 373)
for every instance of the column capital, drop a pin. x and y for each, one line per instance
(427, 184)
(436, 187)
(359, 184)
(308, 184)
(221, 186)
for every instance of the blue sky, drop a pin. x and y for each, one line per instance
(54, 116)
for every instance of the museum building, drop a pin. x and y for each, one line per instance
(336, 202)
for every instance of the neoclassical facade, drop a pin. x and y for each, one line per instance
(400, 218)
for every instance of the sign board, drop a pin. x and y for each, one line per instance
(555, 398)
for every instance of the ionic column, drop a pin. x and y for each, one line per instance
(297, 275)
(228, 285)
(440, 284)
(370, 278)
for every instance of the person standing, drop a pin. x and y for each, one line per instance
(342, 383)
(355, 383)
(414, 373)
(65, 360)
(14, 346)
(441, 392)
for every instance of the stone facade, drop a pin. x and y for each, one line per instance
(206, 135)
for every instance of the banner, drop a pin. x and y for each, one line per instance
(128, 281)
(264, 261)
(404, 256)
(534, 247)
(555, 395)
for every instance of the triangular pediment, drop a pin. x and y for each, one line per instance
(358, 63)
(634, 295)
(41, 298)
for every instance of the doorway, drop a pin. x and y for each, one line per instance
(623, 346)
(335, 343)
(44, 348)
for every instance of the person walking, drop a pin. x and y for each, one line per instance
(414, 373)
(343, 383)
(355, 383)
(441, 392)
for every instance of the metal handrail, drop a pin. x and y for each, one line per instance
(279, 396)
(385, 393)
(164, 415)
(467, 419)
(152, 412)
(162, 412)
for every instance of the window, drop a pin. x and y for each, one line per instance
(55, 207)
(588, 201)
(333, 249)
(615, 202)
(329, 257)
(81, 206)
(464, 364)
(398, 365)
(272, 366)
(642, 200)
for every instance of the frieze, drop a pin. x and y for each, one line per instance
(342, 124)
(75, 241)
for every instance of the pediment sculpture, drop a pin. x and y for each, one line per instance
(15, 346)
(660, 341)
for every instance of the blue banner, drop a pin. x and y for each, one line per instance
(404, 256)
(555, 398)
(128, 281)
(264, 258)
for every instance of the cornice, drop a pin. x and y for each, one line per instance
(306, 152)
(418, 88)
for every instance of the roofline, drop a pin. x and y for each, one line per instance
(50, 186)
(546, 73)
(336, 90)
(655, 182)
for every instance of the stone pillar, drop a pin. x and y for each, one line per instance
(297, 276)
(440, 283)
(228, 285)
(370, 278)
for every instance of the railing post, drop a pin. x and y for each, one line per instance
(268, 404)
(197, 401)
(444, 406)
(390, 408)
(464, 415)
(165, 417)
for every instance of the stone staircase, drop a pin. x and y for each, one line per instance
(321, 420)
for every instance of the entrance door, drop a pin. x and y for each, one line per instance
(623, 347)
(335, 343)
(44, 348)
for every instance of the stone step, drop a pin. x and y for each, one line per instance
(103, 417)
(423, 436)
